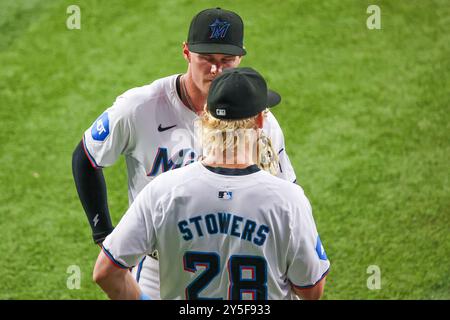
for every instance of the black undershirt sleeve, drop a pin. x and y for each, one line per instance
(91, 187)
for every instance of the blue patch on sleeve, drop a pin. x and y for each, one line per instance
(100, 128)
(320, 250)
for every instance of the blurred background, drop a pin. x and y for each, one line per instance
(365, 113)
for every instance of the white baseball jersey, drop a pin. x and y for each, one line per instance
(223, 234)
(153, 129)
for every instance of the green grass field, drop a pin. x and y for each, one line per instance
(366, 117)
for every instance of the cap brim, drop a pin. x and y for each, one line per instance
(217, 48)
(273, 98)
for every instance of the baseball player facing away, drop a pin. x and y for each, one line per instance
(224, 229)
(153, 127)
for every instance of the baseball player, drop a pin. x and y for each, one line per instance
(153, 128)
(225, 230)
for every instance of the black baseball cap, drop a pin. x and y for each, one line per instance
(217, 31)
(239, 93)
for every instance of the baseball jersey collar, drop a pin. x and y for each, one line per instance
(233, 171)
(176, 101)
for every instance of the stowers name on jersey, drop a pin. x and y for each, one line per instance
(224, 223)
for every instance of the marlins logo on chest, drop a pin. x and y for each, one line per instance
(162, 163)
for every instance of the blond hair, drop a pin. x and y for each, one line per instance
(222, 137)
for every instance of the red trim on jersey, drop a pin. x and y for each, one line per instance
(88, 155)
(114, 262)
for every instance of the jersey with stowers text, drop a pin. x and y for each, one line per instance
(152, 128)
(223, 235)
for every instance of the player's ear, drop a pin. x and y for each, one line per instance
(186, 52)
(260, 120)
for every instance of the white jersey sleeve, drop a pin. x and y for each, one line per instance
(111, 134)
(134, 237)
(307, 260)
(274, 132)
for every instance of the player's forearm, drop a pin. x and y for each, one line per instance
(314, 293)
(91, 187)
(116, 282)
(120, 286)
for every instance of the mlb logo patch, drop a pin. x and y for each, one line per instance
(221, 112)
(225, 195)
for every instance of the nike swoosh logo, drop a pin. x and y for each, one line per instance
(161, 129)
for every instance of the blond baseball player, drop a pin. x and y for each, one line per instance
(224, 229)
(153, 128)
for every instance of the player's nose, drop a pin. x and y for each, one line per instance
(216, 69)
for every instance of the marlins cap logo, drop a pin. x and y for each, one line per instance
(219, 29)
